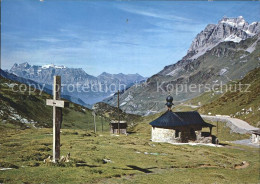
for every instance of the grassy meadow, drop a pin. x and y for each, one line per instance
(134, 158)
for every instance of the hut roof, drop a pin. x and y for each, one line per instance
(175, 119)
(257, 132)
(116, 121)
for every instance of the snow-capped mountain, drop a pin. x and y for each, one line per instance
(97, 88)
(227, 29)
(44, 74)
(219, 54)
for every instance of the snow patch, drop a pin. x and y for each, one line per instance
(112, 94)
(198, 144)
(172, 73)
(234, 22)
(231, 23)
(233, 38)
(252, 47)
(123, 103)
(203, 50)
(128, 98)
(223, 71)
(249, 33)
(149, 112)
(53, 66)
(241, 57)
(4, 169)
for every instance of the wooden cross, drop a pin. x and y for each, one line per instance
(57, 116)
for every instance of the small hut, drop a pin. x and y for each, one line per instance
(255, 138)
(114, 127)
(180, 127)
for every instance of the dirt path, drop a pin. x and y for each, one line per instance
(246, 142)
(236, 125)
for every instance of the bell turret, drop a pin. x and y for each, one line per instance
(169, 103)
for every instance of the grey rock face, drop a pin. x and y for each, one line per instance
(227, 29)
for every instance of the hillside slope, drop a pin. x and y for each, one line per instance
(25, 109)
(226, 62)
(243, 104)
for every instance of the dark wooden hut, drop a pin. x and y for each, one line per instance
(114, 127)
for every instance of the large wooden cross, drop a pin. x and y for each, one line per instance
(57, 116)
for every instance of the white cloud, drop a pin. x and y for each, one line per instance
(47, 39)
(153, 13)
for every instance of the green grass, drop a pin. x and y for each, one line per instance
(26, 149)
(231, 103)
(204, 98)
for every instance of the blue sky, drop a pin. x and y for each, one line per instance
(113, 36)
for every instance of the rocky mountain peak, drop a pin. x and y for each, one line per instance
(105, 74)
(22, 66)
(234, 22)
(25, 65)
(227, 29)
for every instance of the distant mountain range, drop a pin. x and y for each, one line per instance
(220, 53)
(80, 86)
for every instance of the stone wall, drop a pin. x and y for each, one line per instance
(163, 135)
(168, 135)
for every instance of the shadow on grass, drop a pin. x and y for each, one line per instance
(223, 144)
(84, 164)
(144, 170)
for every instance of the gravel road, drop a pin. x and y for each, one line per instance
(236, 125)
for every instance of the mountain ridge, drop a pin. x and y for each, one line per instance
(33, 69)
(98, 88)
(226, 61)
